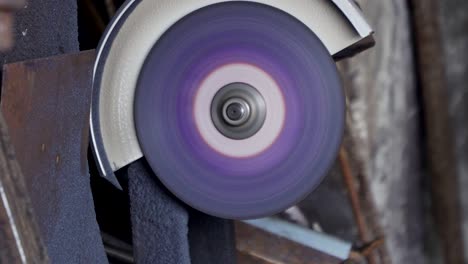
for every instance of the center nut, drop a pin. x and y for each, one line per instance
(238, 111)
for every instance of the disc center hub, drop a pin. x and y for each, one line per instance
(238, 110)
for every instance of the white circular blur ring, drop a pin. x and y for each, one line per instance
(274, 103)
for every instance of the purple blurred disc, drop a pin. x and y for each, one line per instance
(258, 45)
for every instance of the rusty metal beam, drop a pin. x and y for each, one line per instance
(350, 182)
(20, 237)
(20, 241)
(256, 245)
(45, 103)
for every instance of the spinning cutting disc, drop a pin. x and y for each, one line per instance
(239, 109)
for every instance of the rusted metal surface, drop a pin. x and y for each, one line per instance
(34, 103)
(46, 106)
(440, 145)
(362, 225)
(7, 9)
(258, 246)
(353, 196)
(20, 241)
(248, 258)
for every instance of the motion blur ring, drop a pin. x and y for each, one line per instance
(285, 92)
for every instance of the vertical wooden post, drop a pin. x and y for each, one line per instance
(440, 154)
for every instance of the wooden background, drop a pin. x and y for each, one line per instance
(407, 127)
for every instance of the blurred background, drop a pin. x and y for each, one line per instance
(398, 191)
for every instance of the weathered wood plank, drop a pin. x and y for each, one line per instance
(20, 240)
(383, 122)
